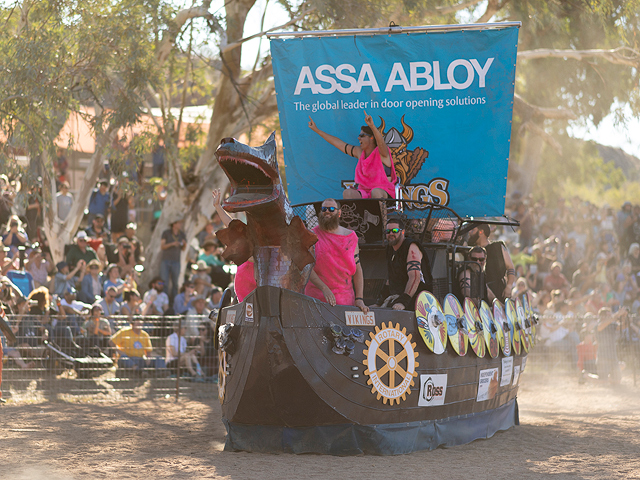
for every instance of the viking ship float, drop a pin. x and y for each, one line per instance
(298, 375)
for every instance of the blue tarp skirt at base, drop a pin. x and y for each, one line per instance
(384, 439)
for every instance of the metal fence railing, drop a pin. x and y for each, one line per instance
(576, 344)
(68, 356)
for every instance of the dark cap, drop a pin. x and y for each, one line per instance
(61, 265)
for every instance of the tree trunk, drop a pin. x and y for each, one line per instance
(60, 233)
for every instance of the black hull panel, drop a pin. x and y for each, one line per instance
(285, 386)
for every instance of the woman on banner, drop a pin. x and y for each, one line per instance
(375, 174)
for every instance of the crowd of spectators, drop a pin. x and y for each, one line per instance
(581, 264)
(93, 299)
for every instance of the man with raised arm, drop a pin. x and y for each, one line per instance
(375, 174)
(408, 266)
(337, 269)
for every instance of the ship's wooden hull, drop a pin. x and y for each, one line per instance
(284, 389)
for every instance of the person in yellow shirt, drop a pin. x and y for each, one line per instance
(134, 349)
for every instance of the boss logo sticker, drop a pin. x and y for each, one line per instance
(433, 389)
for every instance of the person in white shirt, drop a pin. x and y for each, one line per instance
(175, 343)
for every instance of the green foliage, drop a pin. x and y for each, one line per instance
(582, 172)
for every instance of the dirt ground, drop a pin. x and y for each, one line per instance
(567, 431)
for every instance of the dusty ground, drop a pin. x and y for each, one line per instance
(566, 431)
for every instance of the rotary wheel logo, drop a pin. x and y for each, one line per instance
(390, 355)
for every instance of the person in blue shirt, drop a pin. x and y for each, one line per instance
(100, 200)
(182, 302)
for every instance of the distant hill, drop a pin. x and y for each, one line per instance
(629, 164)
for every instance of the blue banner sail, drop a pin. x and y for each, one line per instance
(443, 102)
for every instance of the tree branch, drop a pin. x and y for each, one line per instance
(182, 17)
(444, 10)
(493, 7)
(235, 45)
(528, 111)
(537, 130)
(619, 56)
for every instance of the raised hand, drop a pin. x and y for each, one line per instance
(368, 120)
(217, 197)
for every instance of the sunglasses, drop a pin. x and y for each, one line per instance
(392, 230)
(363, 135)
(329, 209)
(478, 259)
(201, 329)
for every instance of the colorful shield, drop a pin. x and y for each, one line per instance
(476, 338)
(528, 310)
(522, 317)
(489, 330)
(512, 320)
(504, 331)
(455, 324)
(432, 323)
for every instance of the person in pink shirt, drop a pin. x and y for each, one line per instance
(337, 269)
(375, 174)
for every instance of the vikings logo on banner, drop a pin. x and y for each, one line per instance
(442, 101)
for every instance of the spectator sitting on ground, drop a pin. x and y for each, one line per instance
(126, 258)
(155, 300)
(80, 251)
(91, 285)
(113, 279)
(66, 279)
(133, 348)
(182, 302)
(196, 314)
(97, 229)
(132, 303)
(188, 359)
(72, 306)
(38, 267)
(98, 329)
(110, 306)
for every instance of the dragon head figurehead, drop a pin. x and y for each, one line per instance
(253, 174)
(272, 234)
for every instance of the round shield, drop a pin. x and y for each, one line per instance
(528, 310)
(432, 323)
(455, 324)
(512, 320)
(476, 338)
(504, 331)
(522, 320)
(489, 330)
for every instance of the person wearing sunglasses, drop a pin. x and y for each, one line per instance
(337, 269)
(375, 175)
(408, 266)
(473, 272)
(500, 273)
